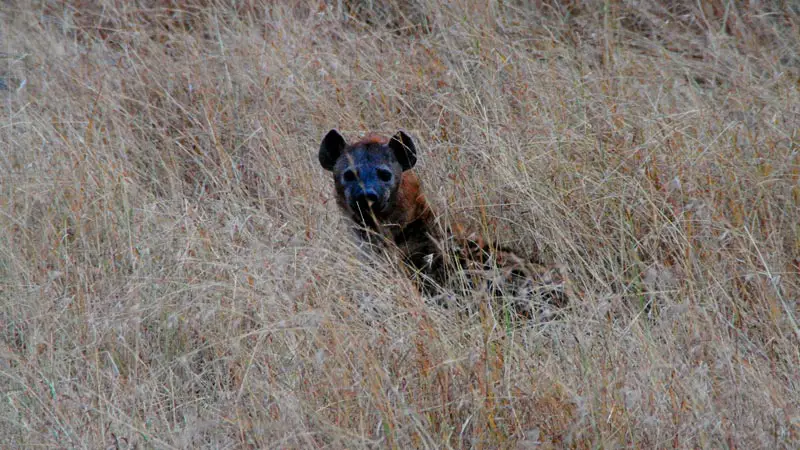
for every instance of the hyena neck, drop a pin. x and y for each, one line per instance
(410, 226)
(401, 225)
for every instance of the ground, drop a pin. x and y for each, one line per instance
(174, 272)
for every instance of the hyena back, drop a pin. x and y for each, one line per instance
(529, 288)
(377, 190)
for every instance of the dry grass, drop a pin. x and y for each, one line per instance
(173, 272)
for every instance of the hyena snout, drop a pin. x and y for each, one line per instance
(366, 200)
(368, 189)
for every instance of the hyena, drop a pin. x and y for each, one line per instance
(377, 190)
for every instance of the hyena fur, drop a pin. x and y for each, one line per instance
(378, 192)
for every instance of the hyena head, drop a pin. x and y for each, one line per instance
(368, 174)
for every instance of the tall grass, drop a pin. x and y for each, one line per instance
(174, 272)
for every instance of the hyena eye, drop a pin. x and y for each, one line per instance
(349, 176)
(384, 175)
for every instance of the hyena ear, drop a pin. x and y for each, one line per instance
(331, 148)
(404, 150)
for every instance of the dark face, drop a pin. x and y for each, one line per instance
(367, 178)
(367, 174)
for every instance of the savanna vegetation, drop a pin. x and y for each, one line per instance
(174, 272)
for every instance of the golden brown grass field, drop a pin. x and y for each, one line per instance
(174, 272)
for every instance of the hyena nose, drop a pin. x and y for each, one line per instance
(367, 198)
(371, 198)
